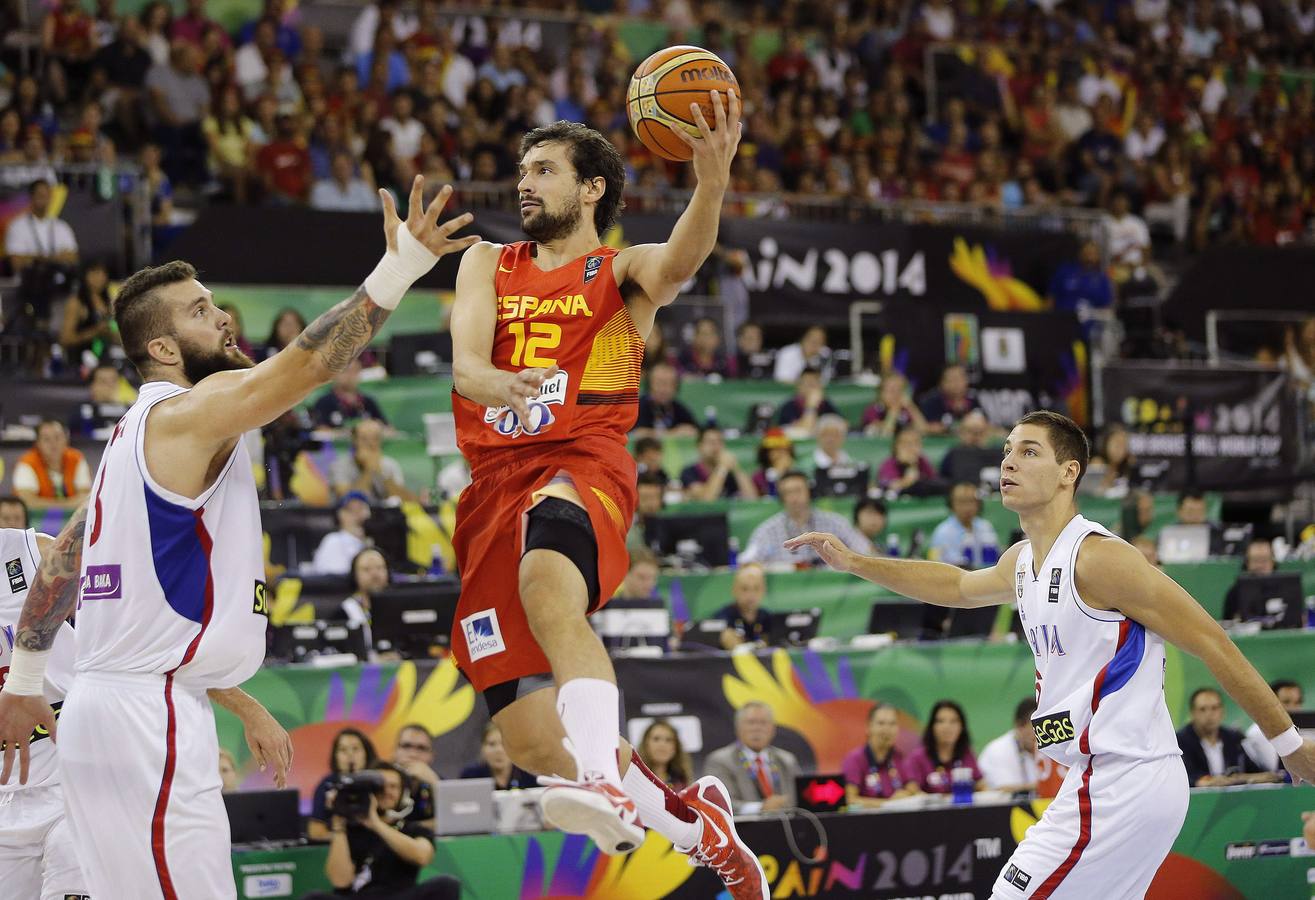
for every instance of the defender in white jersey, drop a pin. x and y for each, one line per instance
(38, 857)
(1096, 616)
(173, 609)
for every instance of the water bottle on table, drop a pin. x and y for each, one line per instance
(961, 780)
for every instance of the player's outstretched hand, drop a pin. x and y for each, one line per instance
(269, 743)
(20, 716)
(831, 548)
(523, 386)
(1301, 764)
(422, 222)
(714, 149)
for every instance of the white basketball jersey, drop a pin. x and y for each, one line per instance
(18, 550)
(171, 585)
(1100, 675)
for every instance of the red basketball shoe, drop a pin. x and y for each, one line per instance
(719, 847)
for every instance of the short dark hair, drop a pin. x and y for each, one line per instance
(1190, 494)
(875, 504)
(38, 183)
(793, 473)
(645, 444)
(706, 427)
(9, 499)
(1023, 711)
(140, 314)
(1276, 685)
(49, 421)
(1191, 701)
(593, 156)
(415, 726)
(652, 478)
(1068, 440)
(878, 707)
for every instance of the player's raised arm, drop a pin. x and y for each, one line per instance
(227, 404)
(937, 583)
(660, 269)
(1150, 597)
(474, 313)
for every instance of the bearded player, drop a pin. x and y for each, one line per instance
(548, 337)
(1097, 618)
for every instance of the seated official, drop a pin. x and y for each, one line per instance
(874, 773)
(1213, 754)
(377, 852)
(496, 764)
(746, 620)
(946, 746)
(757, 775)
(1009, 762)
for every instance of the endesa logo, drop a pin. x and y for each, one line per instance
(506, 423)
(1055, 729)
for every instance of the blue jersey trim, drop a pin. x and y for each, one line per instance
(182, 565)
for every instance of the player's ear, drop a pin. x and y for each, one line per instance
(164, 350)
(595, 188)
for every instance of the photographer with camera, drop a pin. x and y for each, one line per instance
(43, 253)
(374, 850)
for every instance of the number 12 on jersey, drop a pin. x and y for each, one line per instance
(542, 336)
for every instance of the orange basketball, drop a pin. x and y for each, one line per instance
(662, 89)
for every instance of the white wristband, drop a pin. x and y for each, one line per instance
(27, 672)
(397, 271)
(1288, 742)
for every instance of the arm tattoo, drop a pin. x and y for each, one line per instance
(54, 593)
(338, 335)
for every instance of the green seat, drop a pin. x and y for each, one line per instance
(405, 400)
(423, 311)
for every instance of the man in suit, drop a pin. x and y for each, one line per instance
(757, 775)
(1212, 752)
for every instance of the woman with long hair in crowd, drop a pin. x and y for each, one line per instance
(351, 752)
(665, 756)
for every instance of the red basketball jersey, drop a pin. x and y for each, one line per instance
(572, 317)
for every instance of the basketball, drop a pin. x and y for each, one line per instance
(662, 89)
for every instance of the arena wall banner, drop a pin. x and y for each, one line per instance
(1234, 844)
(797, 270)
(1241, 420)
(820, 699)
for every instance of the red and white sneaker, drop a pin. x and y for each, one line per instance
(591, 807)
(719, 846)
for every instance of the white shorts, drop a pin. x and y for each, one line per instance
(1105, 834)
(139, 761)
(37, 857)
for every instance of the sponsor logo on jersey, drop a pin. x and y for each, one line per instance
(260, 600)
(1017, 877)
(516, 306)
(1056, 575)
(483, 635)
(1044, 639)
(506, 423)
(17, 578)
(102, 583)
(1053, 729)
(592, 266)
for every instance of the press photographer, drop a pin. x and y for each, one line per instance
(374, 850)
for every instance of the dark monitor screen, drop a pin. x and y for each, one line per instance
(796, 627)
(975, 622)
(386, 528)
(904, 618)
(842, 481)
(413, 617)
(259, 816)
(1275, 600)
(305, 641)
(702, 539)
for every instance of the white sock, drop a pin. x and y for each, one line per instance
(589, 708)
(651, 801)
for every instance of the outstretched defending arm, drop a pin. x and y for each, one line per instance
(660, 269)
(937, 583)
(50, 601)
(1147, 595)
(227, 404)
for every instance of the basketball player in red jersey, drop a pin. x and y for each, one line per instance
(548, 337)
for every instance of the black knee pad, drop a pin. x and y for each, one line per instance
(561, 526)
